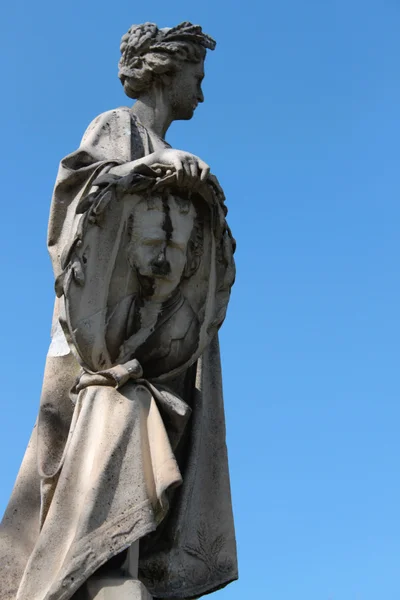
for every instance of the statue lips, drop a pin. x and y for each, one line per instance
(195, 105)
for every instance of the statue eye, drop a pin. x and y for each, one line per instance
(176, 245)
(151, 242)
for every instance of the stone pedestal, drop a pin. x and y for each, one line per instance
(115, 589)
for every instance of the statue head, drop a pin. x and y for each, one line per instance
(165, 243)
(170, 59)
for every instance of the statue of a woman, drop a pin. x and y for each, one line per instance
(130, 439)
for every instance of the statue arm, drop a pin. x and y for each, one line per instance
(106, 143)
(107, 147)
(190, 170)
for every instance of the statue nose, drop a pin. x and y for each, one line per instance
(160, 265)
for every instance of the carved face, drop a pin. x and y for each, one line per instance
(160, 233)
(184, 91)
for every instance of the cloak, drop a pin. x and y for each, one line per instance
(131, 459)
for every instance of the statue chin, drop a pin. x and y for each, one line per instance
(156, 287)
(185, 114)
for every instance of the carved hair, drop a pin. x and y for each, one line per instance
(148, 52)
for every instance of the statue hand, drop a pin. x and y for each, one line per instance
(189, 169)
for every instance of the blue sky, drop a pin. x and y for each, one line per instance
(301, 126)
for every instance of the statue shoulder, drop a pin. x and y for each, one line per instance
(110, 134)
(106, 122)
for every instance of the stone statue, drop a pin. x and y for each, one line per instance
(124, 488)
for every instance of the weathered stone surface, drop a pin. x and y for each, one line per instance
(130, 439)
(111, 589)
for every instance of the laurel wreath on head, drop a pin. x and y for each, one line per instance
(147, 37)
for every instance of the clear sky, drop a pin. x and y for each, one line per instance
(301, 126)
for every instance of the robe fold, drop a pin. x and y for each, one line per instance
(139, 462)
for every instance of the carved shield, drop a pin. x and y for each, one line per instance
(147, 274)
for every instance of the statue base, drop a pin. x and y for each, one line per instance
(107, 588)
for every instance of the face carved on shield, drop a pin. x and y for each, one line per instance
(160, 229)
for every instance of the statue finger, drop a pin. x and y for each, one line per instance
(193, 169)
(186, 169)
(179, 170)
(205, 170)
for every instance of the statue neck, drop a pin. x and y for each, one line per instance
(153, 112)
